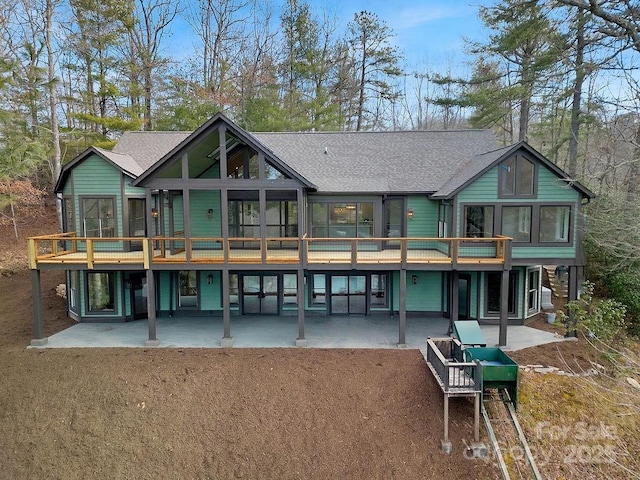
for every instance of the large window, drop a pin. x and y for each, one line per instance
(478, 221)
(318, 289)
(282, 218)
(187, 289)
(517, 177)
(99, 217)
(244, 218)
(394, 217)
(378, 290)
(516, 223)
(554, 223)
(100, 292)
(342, 220)
(494, 280)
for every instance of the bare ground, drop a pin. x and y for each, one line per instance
(198, 414)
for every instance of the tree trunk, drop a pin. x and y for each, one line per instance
(53, 102)
(577, 96)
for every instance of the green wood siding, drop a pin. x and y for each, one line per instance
(424, 296)
(200, 202)
(425, 217)
(550, 190)
(210, 295)
(133, 191)
(95, 176)
(164, 281)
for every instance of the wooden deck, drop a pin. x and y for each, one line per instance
(69, 249)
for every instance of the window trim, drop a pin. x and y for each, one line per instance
(113, 198)
(538, 217)
(531, 214)
(501, 182)
(463, 227)
(514, 278)
(112, 293)
(197, 295)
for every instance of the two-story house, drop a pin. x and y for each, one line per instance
(224, 223)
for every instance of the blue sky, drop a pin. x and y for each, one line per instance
(429, 32)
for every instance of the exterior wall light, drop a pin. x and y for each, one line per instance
(209, 279)
(410, 213)
(154, 212)
(414, 279)
(210, 213)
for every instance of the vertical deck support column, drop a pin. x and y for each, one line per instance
(301, 341)
(402, 320)
(504, 308)
(36, 297)
(227, 340)
(151, 309)
(446, 443)
(454, 313)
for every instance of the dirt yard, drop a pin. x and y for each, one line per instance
(281, 413)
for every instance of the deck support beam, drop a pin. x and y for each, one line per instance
(455, 300)
(36, 297)
(446, 443)
(504, 308)
(301, 341)
(151, 310)
(227, 340)
(402, 320)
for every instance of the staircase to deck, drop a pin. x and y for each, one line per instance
(558, 289)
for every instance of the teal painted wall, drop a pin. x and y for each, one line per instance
(133, 191)
(200, 201)
(95, 176)
(210, 295)
(425, 217)
(550, 189)
(163, 291)
(424, 296)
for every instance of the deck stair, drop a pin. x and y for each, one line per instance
(559, 289)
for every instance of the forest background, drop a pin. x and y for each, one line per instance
(560, 74)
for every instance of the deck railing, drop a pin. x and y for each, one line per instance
(453, 375)
(68, 248)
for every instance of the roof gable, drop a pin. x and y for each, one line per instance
(209, 128)
(480, 164)
(123, 162)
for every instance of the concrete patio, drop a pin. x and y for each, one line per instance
(281, 332)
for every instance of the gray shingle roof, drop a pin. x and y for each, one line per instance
(475, 166)
(124, 161)
(354, 162)
(148, 147)
(362, 162)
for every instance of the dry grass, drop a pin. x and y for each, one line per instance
(587, 426)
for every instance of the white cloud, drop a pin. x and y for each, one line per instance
(415, 16)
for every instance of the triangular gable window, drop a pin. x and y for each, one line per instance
(273, 173)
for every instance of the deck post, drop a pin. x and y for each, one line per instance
(151, 310)
(301, 341)
(476, 418)
(227, 340)
(504, 308)
(446, 443)
(36, 297)
(402, 320)
(455, 299)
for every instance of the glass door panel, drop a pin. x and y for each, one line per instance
(251, 293)
(339, 294)
(269, 297)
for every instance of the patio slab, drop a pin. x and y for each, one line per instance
(280, 332)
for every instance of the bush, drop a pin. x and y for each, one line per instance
(625, 287)
(602, 319)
